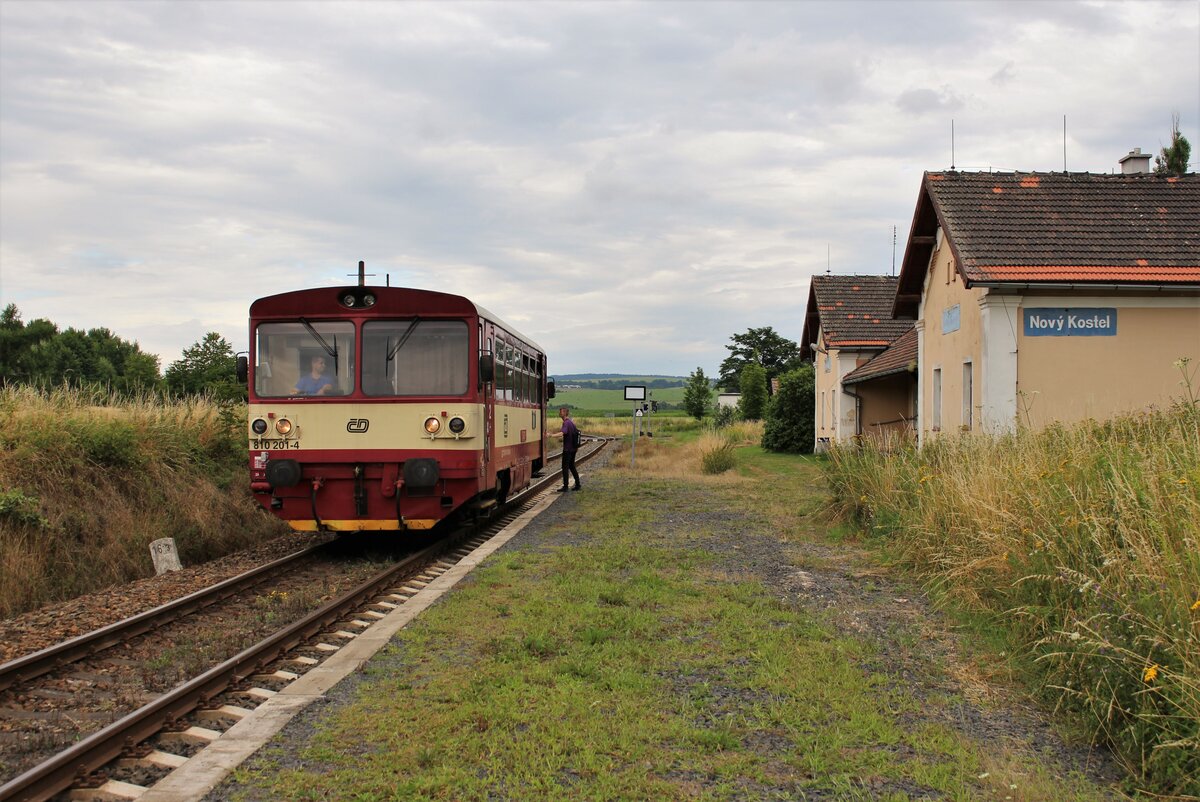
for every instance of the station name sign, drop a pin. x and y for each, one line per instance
(1069, 322)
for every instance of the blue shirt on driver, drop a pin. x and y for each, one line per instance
(310, 386)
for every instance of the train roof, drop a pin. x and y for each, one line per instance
(390, 301)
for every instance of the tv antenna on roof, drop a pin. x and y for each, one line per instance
(893, 250)
(951, 143)
(828, 269)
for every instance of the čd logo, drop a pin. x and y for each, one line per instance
(357, 425)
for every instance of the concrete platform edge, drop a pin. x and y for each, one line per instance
(196, 778)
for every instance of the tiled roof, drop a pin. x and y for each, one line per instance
(856, 311)
(899, 357)
(1076, 227)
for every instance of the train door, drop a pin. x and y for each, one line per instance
(487, 353)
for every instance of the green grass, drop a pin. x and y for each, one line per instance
(631, 665)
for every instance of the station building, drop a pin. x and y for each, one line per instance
(1050, 297)
(848, 325)
(1022, 299)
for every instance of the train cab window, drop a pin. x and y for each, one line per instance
(415, 357)
(305, 358)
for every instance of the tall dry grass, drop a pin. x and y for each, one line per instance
(1084, 542)
(88, 480)
(708, 453)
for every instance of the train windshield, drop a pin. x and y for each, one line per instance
(415, 357)
(308, 357)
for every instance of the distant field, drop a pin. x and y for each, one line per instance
(613, 400)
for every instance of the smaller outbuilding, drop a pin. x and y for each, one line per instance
(848, 324)
(729, 400)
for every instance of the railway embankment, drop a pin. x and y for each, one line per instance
(664, 634)
(88, 481)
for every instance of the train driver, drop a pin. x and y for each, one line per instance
(317, 382)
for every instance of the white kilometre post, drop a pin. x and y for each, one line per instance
(165, 555)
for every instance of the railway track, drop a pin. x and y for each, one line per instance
(124, 758)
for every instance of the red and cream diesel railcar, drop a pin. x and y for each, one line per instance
(387, 408)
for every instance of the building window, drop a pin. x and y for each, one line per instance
(936, 411)
(827, 363)
(968, 401)
(822, 409)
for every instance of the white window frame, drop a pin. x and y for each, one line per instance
(936, 407)
(968, 395)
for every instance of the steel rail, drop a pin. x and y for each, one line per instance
(43, 781)
(45, 660)
(100, 748)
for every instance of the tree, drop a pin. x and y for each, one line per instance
(762, 346)
(697, 394)
(1173, 160)
(790, 426)
(17, 342)
(754, 391)
(208, 366)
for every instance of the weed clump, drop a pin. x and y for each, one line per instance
(716, 455)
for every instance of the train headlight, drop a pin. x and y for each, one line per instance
(432, 425)
(349, 300)
(259, 426)
(283, 426)
(368, 299)
(457, 425)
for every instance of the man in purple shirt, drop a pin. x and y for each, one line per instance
(570, 438)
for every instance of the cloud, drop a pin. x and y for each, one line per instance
(929, 101)
(630, 183)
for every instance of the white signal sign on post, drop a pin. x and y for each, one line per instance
(635, 392)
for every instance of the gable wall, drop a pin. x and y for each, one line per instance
(948, 351)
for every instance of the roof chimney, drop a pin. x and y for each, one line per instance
(1135, 162)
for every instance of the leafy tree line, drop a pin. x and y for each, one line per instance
(619, 383)
(756, 357)
(38, 353)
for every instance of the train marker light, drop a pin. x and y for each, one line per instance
(457, 425)
(283, 426)
(259, 426)
(432, 425)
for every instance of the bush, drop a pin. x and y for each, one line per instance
(724, 416)
(20, 510)
(790, 427)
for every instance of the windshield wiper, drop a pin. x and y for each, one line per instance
(332, 351)
(404, 338)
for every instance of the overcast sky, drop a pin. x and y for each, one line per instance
(627, 183)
